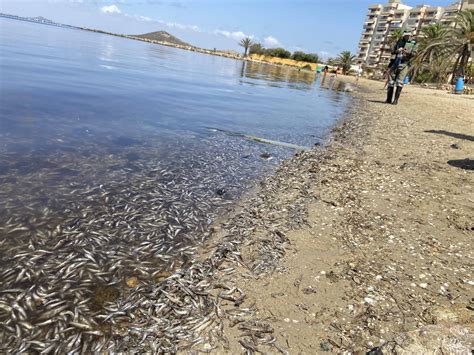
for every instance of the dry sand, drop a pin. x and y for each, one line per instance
(367, 244)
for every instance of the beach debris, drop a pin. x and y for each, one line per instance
(259, 139)
(220, 191)
(308, 290)
(132, 282)
(325, 346)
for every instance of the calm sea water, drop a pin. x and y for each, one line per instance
(93, 125)
(115, 158)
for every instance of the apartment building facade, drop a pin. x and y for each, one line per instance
(383, 19)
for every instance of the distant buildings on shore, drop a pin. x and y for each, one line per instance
(383, 19)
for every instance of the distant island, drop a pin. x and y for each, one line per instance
(162, 36)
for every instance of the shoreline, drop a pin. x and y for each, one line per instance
(333, 281)
(345, 248)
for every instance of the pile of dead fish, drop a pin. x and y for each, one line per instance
(109, 265)
(88, 240)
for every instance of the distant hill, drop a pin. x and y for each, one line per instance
(162, 36)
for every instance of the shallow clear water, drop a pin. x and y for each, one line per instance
(117, 155)
(80, 110)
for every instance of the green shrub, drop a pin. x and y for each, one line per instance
(256, 48)
(424, 76)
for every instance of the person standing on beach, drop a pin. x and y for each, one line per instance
(402, 54)
(358, 73)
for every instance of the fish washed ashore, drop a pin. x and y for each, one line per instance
(362, 244)
(365, 246)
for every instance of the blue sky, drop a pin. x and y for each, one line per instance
(320, 26)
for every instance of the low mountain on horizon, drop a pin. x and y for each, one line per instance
(163, 36)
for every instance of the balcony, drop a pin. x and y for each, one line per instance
(450, 15)
(431, 15)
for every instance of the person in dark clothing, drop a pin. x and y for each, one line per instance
(402, 54)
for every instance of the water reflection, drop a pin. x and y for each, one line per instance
(278, 76)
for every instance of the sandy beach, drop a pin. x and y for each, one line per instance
(363, 245)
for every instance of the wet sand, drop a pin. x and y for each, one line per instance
(364, 245)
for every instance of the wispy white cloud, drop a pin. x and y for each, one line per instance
(268, 41)
(140, 18)
(112, 9)
(236, 35)
(271, 42)
(180, 26)
(326, 55)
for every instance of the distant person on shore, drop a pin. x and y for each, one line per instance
(400, 62)
(358, 73)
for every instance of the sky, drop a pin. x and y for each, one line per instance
(326, 27)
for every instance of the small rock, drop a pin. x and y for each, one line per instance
(266, 156)
(369, 300)
(132, 282)
(455, 146)
(325, 346)
(375, 351)
(161, 276)
(220, 191)
(308, 290)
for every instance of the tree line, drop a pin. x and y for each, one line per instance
(257, 48)
(344, 60)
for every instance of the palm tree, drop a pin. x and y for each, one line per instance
(434, 58)
(462, 35)
(345, 60)
(454, 43)
(394, 37)
(246, 43)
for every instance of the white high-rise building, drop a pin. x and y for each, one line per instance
(383, 19)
